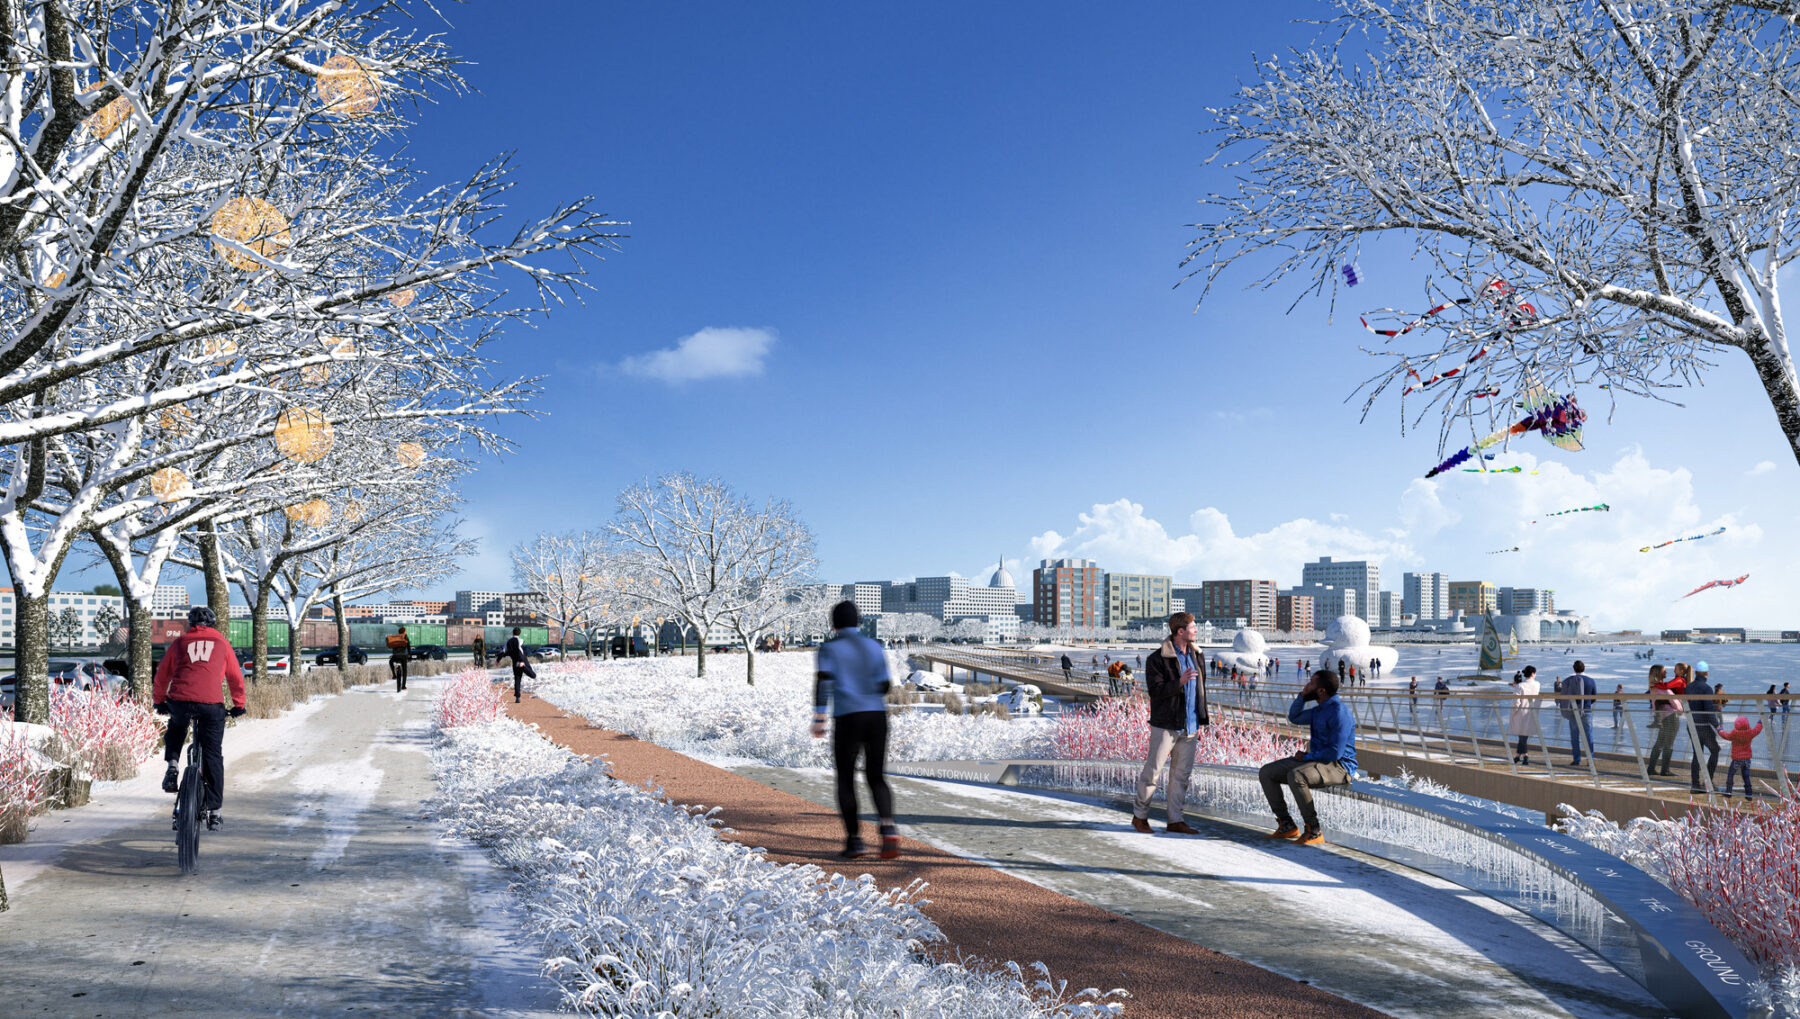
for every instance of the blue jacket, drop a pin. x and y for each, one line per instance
(1333, 731)
(852, 674)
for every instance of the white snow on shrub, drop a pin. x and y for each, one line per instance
(719, 717)
(645, 911)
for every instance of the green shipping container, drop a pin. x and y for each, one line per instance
(239, 633)
(495, 636)
(530, 635)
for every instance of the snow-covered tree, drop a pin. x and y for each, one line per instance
(66, 629)
(573, 572)
(777, 556)
(1608, 187)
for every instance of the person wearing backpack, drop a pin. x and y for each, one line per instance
(399, 654)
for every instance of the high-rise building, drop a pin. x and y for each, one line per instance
(472, 603)
(1134, 598)
(1517, 601)
(1328, 602)
(1250, 600)
(85, 605)
(947, 598)
(1189, 595)
(1294, 613)
(867, 597)
(1068, 592)
(525, 608)
(1389, 608)
(1474, 597)
(1425, 596)
(1360, 576)
(169, 601)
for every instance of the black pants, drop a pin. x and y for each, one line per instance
(209, 732)
(865, 733)
(1709, 739)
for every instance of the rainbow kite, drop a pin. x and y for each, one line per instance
(1557, 418)
(1350, 275)
(1497, 470)
(1716, 583)
(1691, 537)
(1602, 508)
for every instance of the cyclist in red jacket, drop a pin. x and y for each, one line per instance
(190, 687)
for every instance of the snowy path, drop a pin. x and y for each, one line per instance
(1393, 939)
(328, 891)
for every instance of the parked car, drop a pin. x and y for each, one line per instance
(543, 651)
(66, 674)
(278, 660)
(428, 652)
(330, 657)
(636, 647)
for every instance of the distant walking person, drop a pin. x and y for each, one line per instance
(1787, 700)
(1579, 691)
(1329, 758)
(1740, 736)
(1412, 694)
(1176, 682)
(1705, 716)
(1521, 722)
(521, 666)
(1618, 709)
(1068, 669)
(399, 655)
(851, 686)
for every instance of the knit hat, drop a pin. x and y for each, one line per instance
(1699, 666)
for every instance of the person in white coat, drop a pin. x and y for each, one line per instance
(1524, 712)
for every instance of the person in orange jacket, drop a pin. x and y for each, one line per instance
(190, 687)
(1740, 736)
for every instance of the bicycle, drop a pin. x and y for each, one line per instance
(187, 809)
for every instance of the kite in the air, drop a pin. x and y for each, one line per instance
(1499, 551)
(1497, 470)
(1558, 418)
(1352, 275)
(1602, 508)
(1717, 583)
(1691, 537)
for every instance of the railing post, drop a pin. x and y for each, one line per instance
(1637, 748)
(1693, 731)
(1584, 723)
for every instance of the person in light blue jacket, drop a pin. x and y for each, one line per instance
(1329, 759)
(851, 686)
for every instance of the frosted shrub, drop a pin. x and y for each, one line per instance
(1119, 730)
(102, 734)
(469, 699)
(646, 912)
(720, 716)
(22, 782)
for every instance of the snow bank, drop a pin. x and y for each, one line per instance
(720, 717)
(646, 912)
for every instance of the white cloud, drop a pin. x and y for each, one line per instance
(1766, 467)
(708, 354)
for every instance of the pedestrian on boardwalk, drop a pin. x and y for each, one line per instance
(1524, 712)
(1176, 683)
(1068, 669)
(1770, 703)
(1618, 709)
(1667, 721)
(851, 688)
(1740, 736)
(1329, 758)
(515, 651)
(1579, 690)
(1787, 699)
(1705, 714)
(1412, 694)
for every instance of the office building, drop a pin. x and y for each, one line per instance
(1068, 592)
(169, 601)
(1474, 597)
(1425, 596)
(1390, 608)
(1519, 601)
(471, 603)
(1134, 598)
(1359, 576)
(1294, 613)
(1250, 600)
(525, 608)
(1328, 602)
(87, 607)
(948, 598)
(866, 595)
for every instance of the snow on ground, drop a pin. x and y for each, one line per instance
(721, 719)
(645, 911)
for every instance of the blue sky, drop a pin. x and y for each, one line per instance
(934, 249)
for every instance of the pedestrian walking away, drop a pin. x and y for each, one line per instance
(1740, 736)
(1328, 759)
(1787, 700)
(1176, 683)
(189, 688)
(1412, 694)
(1579, 691)
(1068, 669)
(851, 686)
(399, 657)
(1704, 713)
(1618, 709)
(1524, 712)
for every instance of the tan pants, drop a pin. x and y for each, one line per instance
(1177, 748)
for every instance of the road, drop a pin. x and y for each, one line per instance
(328, 891)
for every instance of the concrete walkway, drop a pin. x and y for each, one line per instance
(328, 891)
(1369, 931)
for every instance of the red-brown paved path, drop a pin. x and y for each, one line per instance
(982, 911)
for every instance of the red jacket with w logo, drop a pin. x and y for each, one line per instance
(195, 668)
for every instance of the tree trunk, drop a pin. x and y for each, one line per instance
(138, 648)
(293, 647)
(749, 663)
(259, 635)
(700, 666)
(31, 658)
(343, 630)
(218, 593)
(1776, 371)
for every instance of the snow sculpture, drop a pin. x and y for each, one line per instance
(1347, 640)
(1249, 652)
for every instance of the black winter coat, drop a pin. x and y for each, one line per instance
(1168, 703)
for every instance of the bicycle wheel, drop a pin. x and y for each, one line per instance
(187, 820)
